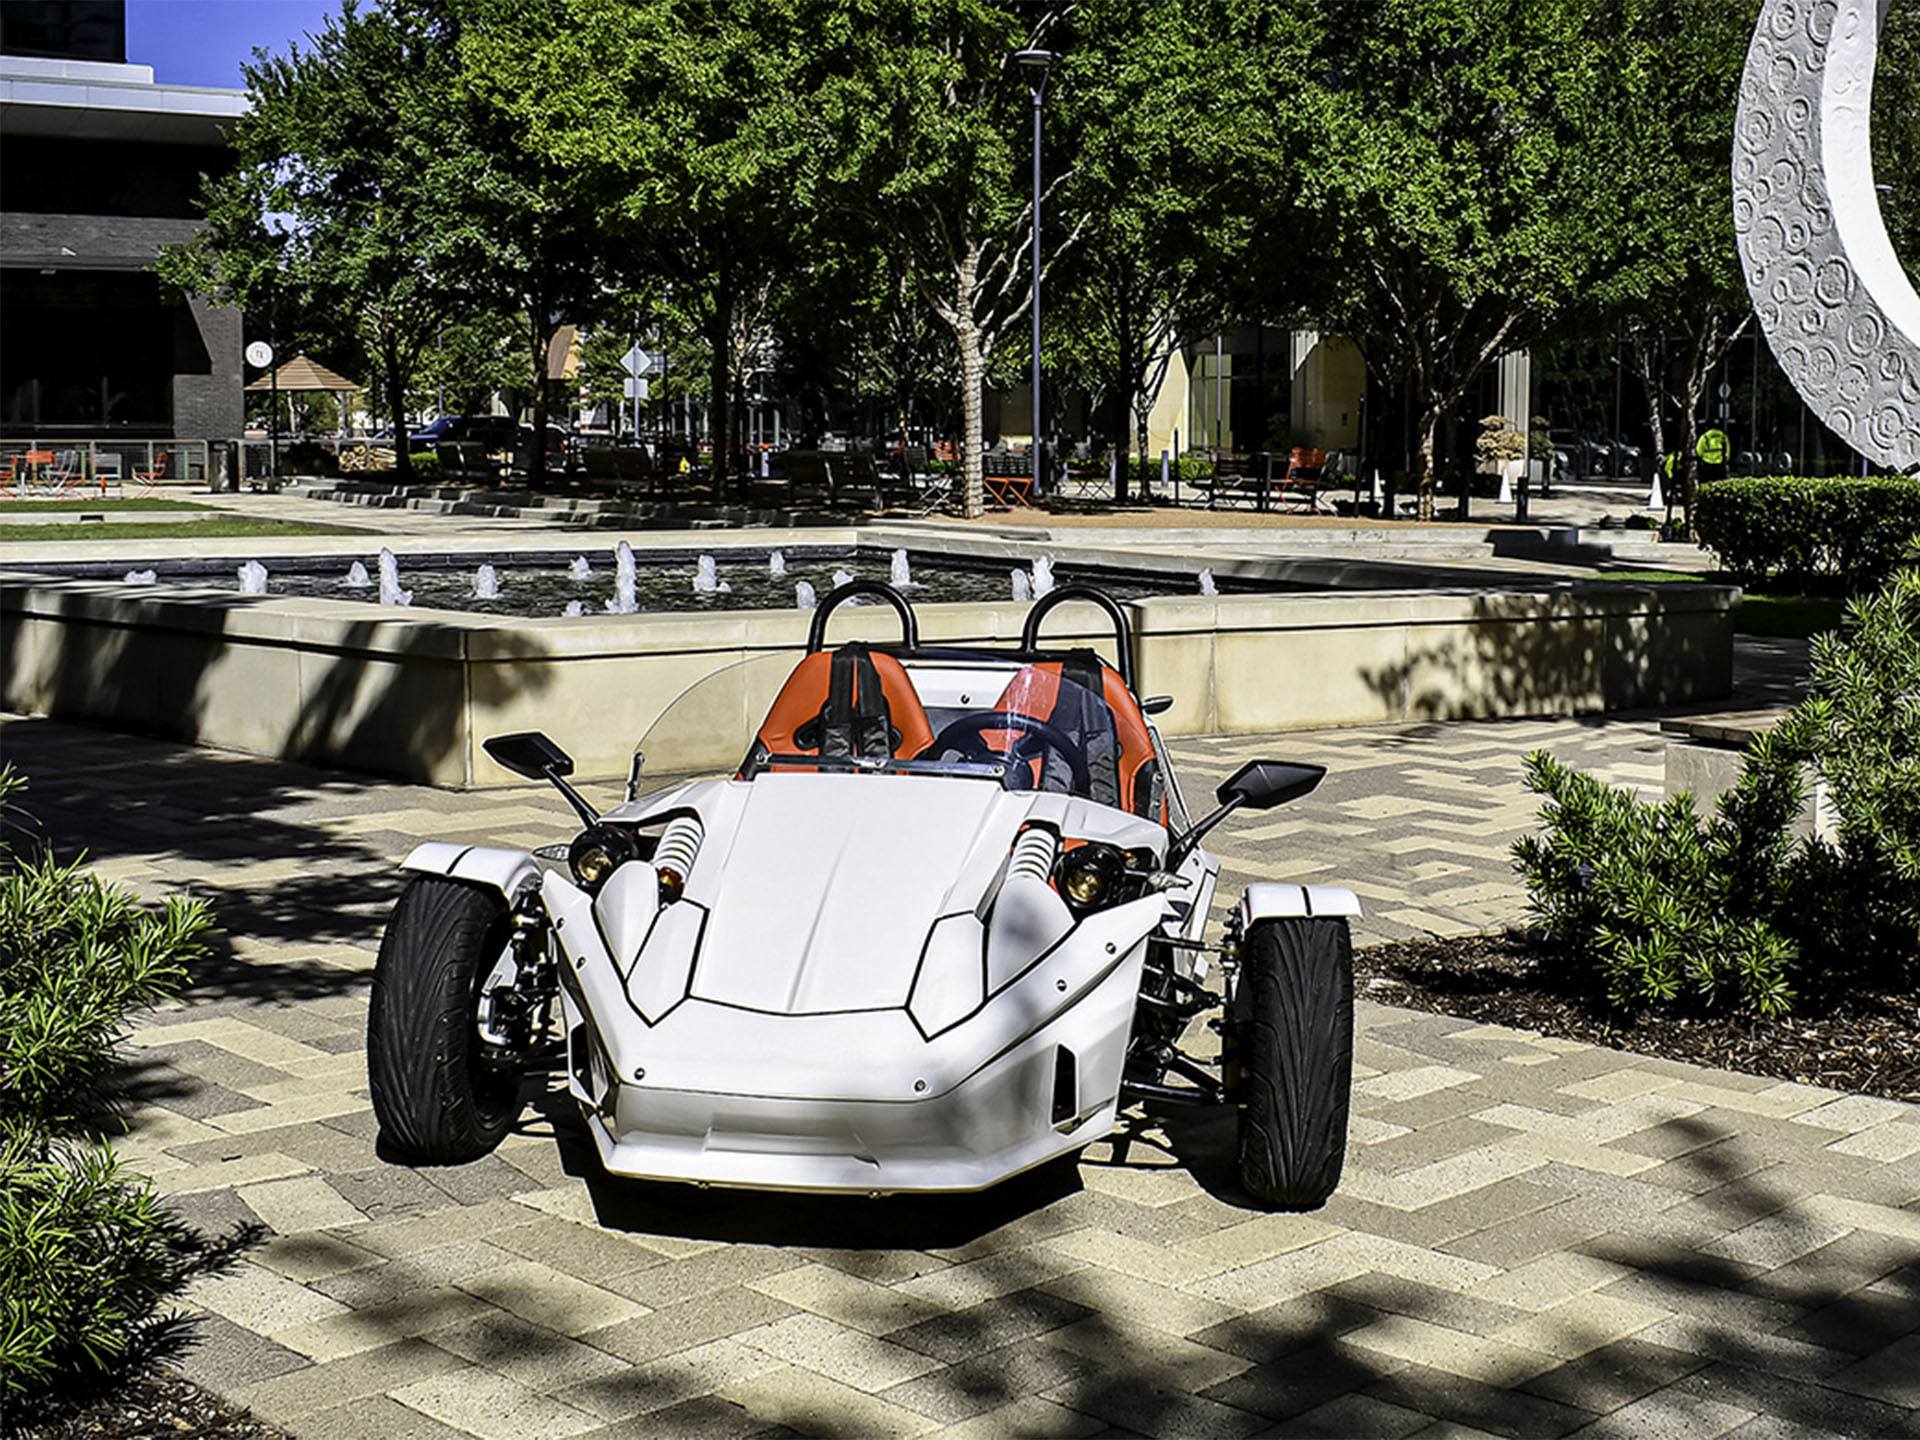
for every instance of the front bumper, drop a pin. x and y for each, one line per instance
(1051, 1093)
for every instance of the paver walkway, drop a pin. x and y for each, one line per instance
(1533, 1237)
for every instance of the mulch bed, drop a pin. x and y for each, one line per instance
(157, 1403)
(1861, 1042)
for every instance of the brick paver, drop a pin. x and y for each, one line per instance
(1534, 1236)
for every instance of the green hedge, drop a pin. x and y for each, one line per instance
(1656, 904)
(1847, 534)
(89, 1255)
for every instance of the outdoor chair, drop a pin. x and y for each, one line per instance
(633, 467)
(148, 477)
(1306, 472)
(1008, 478)
(464, 460)
(67, 472)
(855, 471)
(808, 470)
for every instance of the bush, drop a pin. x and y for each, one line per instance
(1657, 905)
(1843, 533)
(426, 465)
(304, 457)
(87, 1254)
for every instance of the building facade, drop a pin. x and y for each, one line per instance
(100, 167)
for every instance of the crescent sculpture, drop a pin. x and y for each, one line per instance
(1838, 310)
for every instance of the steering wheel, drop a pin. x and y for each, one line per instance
(1031, 738)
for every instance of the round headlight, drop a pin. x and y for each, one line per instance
(597, 852)
(1089, 875)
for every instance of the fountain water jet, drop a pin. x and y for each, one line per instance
(901, 573)
(706, 578)
(777, 565)
(253, 578)
(486, 583)
(1207, 587)
(623, 601)
(141, 577)
(357, 577)
(804, 597)
(574, 610)
(1022, 586)
(1042, 576)
(580, 569)
(390, 591)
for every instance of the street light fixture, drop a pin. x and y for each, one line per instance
(1038, 64)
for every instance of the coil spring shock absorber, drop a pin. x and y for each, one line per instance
(673, 857)
(1033, 855)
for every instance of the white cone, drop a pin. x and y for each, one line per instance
(1506, 486)
(1656, 500)
(1379, 495)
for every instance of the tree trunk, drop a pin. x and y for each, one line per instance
(1142, 415)
(537, 456)
(1423, 456)
(719, 332)
(1122, 407)
(973, 366)
(396, 402)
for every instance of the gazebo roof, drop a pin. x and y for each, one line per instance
(300, 373)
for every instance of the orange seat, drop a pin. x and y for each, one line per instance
(1038, 695)
(803, 701)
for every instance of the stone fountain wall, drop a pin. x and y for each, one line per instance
(411, 694)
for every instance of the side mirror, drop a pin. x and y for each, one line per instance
(1156, 704)
(1256, 785)
(530, 754)
(1263, 784)
(533, 755)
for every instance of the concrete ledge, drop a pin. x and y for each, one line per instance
(411, 694)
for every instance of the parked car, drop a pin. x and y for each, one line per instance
(948, 918)
(495, 432)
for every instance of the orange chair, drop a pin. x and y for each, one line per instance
(149, 478)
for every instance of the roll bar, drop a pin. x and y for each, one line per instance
(909, 627)
(1122, 632)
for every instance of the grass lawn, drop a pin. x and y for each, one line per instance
(55, 507)
(224, 529)
(1797, 616)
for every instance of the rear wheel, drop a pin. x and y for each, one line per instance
(436, 1098)
(1293, 1032)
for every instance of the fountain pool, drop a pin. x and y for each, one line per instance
(621, 583)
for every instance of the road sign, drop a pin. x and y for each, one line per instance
(259, 354)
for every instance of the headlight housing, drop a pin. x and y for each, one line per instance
(597, 851)
(1090, 876)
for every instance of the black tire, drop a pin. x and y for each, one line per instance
(1293, 1035)
(437, 1103)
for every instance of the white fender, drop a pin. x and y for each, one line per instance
(1266, 901)
(507, 871)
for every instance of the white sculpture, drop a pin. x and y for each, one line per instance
(1838, 310)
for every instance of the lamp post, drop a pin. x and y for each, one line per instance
(1038, 64)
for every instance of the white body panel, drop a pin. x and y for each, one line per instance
(779, 1025)
(1265, 901)
(508, 871)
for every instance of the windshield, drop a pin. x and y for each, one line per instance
(1033, 730)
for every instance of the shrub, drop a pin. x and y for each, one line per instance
(87, 1254)
(305, 457)
(426, 464)
(1658, 905)
(1844, 533)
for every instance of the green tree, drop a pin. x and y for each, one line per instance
(1896, 132)
(1676, 291)
(928, 123)
(683, 119)
(1159, 110)
(1459, 178)
(334, 200)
